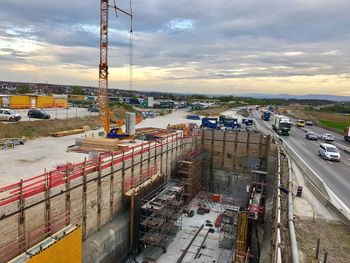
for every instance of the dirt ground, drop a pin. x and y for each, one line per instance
(35, 129)
(334, 239)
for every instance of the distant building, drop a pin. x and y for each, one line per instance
(33, 101)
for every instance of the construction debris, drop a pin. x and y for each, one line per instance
(10, 143)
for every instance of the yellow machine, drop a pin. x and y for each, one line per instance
(300, 123)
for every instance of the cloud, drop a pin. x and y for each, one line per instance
(182, 44)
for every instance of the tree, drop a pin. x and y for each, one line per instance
(77, 91)
(24, 89)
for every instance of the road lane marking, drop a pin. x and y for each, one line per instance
(330, 162)
(302, 142)
(348, 164)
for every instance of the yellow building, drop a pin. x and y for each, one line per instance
(44, 102)
(33, 101)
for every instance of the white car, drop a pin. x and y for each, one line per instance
(327, 137)
(329, 152)
(9, 115)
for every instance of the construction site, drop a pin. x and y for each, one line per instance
(164, 196)
(175, 194)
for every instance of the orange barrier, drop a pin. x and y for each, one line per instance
(139, 118)
(216, 198)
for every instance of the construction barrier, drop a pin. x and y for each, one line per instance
(87, 193)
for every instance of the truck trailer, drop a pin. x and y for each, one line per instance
(282, 125)
(266, 115)
(347, 133)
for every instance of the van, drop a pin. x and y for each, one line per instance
(9, 115)
(300, 123)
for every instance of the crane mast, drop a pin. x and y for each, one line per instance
(103, 66)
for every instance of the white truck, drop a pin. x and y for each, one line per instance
(281, 124)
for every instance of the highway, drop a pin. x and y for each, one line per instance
(335, 174)
(338, 139)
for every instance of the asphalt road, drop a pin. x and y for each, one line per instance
(335, 174)
(338, 139)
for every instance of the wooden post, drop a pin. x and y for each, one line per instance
(47, 205)
(223, 150)
(67, 206)
(84, 200)
(235, 165)
(99, 194)
(132, 219)
(111, 192)
(21, 220)
(317, 248)
(248, 144)
(123, 178)
(141, 159)
(149, 156)
(260, 145)
(167, 157)
(325, 257)
(132, 167)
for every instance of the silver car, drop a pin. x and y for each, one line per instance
(327, 137)
(329, 152)
(9, 115)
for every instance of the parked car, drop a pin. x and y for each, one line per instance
(327, 137)
(93, 109)
(311, 136)
(38, 114)
(300, 123)
(329, 152)
(9, 115)
(309, 123)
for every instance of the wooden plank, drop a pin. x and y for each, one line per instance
(134, 191)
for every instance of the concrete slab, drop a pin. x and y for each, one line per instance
(190, 225)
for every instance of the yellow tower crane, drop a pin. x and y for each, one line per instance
(103, 67)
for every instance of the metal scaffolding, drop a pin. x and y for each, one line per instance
(160, 218)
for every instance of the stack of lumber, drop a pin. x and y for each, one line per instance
(99, 144)
(70, 132)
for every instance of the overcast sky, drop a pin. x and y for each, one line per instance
(218, 47)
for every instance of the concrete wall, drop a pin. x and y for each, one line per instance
(110, 244)
(229, 150)
(88, 194)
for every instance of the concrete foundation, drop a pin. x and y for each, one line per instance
(110, 244)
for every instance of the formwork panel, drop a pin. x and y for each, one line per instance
(242, 137)
(254, 137)
(8, 233)
(218, 136)
(105, 200)
(231, 136)
(208, 134)
(35, 222)
(91, 207)
(76, 210)
(58, 205)
(117, 192)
